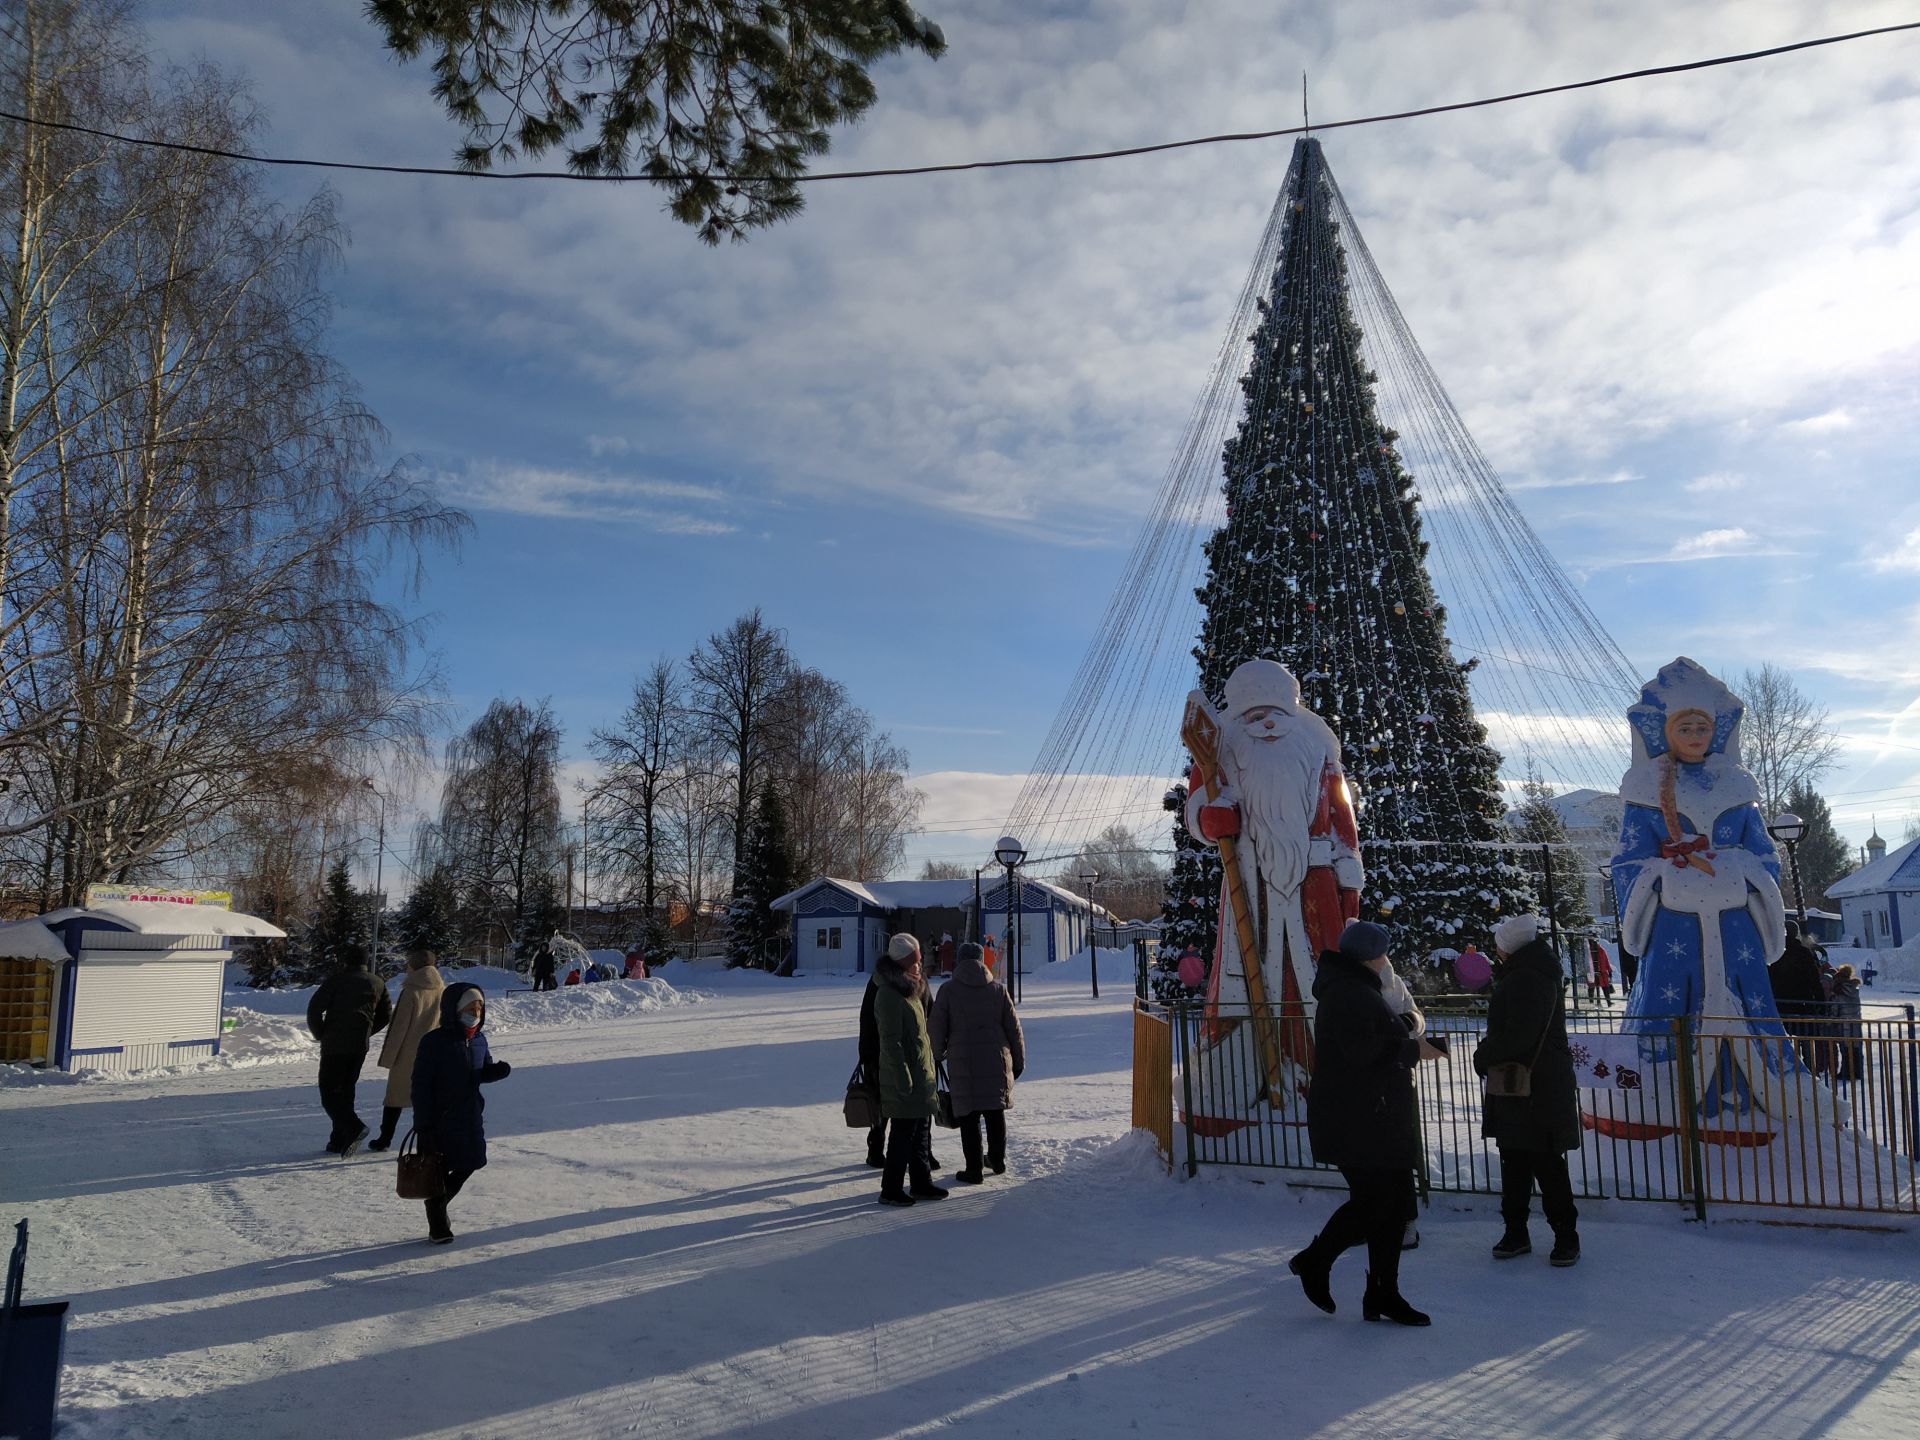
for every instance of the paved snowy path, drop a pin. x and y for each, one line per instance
(677, 1238)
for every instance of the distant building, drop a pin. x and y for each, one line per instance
(844, 924)
(1592, 821)
(1880, 902)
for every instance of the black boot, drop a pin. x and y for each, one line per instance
(1513, 1243)
(389, 1121)
(1383, 1301)
(1566, 1250)
(1315, 1270)
(439, 1229)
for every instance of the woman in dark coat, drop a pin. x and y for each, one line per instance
(976, 1035)
(1525, 1020)
(905, 1073)
(1361, 1117)
(449, 1068)
(870, 1072)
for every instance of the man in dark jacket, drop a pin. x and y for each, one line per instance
(449, 1068)
(346, 1012)
(1361, 1117)
(1798, 991)
(544, 970)
(1526, 1024)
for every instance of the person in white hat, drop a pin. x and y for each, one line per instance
(908, 1096)
(1527, 1026)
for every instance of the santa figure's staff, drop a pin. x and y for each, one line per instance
(1202, 736)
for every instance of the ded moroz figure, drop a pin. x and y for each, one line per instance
(1699, 888)
(1267, 787)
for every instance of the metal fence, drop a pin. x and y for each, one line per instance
(1827, 1118)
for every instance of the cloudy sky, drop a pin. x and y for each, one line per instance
(920, 425)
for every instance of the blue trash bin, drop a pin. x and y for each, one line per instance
(36, 1337)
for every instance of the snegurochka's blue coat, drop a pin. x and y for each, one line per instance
(1704, 933)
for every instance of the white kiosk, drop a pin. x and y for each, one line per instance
(138, 981)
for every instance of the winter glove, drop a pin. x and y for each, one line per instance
(495, 1070)
(1219, 822)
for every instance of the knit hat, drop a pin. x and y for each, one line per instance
(1364, 941)
(1515, 931)
(419, 958)
(971, 951)
(903, 948)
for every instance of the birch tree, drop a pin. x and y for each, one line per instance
(196, 532)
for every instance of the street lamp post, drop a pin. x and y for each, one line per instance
(379, 872)
(1010, 853)
(1091, 879)
(1787, 828)
(586, 799)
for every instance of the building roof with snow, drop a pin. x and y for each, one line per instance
(1898, 870)
(1584, 810)
(921, 894)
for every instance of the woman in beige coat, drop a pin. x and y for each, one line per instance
(415, 1013)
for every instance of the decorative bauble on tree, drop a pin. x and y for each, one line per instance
(1190, 915)
(1321, 566)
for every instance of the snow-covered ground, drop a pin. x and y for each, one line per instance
(677, 1237)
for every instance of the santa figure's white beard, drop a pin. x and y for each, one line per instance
(1278, 786)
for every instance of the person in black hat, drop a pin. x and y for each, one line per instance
(1360, 1115)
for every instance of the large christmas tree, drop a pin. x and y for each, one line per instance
(1321, 566)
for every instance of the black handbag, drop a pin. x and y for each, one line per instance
(421, 1174)
(863, 1101)
(944, 1116)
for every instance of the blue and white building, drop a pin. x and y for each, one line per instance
(1880, 902)
(844, 924)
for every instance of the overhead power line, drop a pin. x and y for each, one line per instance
(953, 167)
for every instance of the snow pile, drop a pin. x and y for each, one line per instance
(261, 1038)
(256, 1037)
(1116, 969)
(575, 1005)
(713, 973)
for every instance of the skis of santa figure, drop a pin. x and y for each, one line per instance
(1268, 789)
(1698, 885)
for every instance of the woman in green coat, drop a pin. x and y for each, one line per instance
(908, 1096)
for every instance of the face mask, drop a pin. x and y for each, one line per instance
(470, 1014)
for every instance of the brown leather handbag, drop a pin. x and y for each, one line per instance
(421, 1174)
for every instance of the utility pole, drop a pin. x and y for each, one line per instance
(379, 874)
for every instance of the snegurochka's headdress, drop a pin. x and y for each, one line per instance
(1685, 685)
